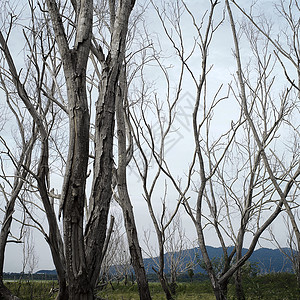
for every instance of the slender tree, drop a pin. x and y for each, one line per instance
(123, 198)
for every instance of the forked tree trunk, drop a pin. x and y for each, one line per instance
(73, 192)
(220, 289)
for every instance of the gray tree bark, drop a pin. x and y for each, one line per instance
(77, 256)
(104, 132)
(123, 196)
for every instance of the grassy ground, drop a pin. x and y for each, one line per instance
(33, 290)
(267, 287)
(280, 286)
(184, 291)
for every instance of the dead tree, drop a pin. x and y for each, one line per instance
(77, 255)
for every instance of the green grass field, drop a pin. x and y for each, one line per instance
(33, 289)
(193, 290)
(279, 286)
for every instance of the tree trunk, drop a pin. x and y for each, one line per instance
(163, 281)
(104, 134)
(62, 291)
(80, 291)
(95, 231)
(238, 274)
(123, 196)
(160, 238)
(54, 238)
(136, 255)
(165, 287)
(239, 291)
(219, 294)
(220, 290)
(73, 191)
(173, 284)
(5, 293)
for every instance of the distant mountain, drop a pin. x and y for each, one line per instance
(271, 260)
(48, 272)
(267, 260)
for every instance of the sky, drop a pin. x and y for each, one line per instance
(180, 144)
